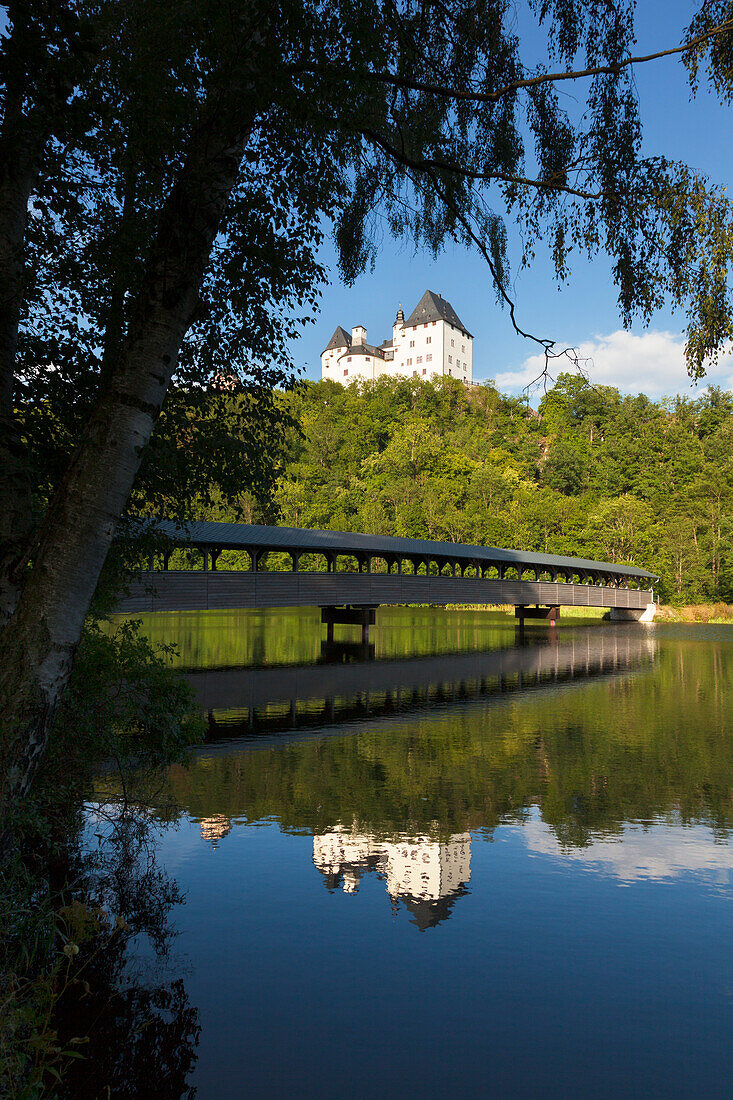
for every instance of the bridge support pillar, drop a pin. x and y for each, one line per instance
(551, 613)
(349, 616)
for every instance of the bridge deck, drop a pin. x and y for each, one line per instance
(218, 590)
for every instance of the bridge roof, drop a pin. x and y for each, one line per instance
(208, 535)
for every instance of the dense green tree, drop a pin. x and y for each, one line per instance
(568, 461)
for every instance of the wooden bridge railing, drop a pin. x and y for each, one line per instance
(201, 591)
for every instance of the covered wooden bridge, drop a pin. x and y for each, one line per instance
(348, 575)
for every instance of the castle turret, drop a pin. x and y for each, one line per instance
(398, 326)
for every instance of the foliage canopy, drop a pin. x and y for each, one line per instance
(592, 473)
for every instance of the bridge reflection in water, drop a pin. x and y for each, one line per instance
(426, 871)
(251, 703)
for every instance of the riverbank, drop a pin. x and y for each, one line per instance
(695, 613)
(574, 613)
(692, 613)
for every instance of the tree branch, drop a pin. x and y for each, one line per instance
(470, 173)
(468, 95)
(69, 549)
(545, 343)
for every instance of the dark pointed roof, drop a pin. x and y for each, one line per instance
(340, 339)
(432, 307)
(364, 349)
(242, 536)
(429, 913)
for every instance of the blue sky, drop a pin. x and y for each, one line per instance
(582, 312)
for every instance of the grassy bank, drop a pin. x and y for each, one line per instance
(696, 613)
(691, 613)
(574, 613)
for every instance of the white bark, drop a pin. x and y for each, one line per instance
(38, 644)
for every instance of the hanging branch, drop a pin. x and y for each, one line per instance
(469, 95)
(428, 168)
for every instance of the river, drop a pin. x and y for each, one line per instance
(452, 863)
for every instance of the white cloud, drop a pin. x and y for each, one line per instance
(641, 852)
(652, 363)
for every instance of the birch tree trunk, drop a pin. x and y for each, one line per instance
(38, 644)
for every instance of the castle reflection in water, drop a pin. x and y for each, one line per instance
(215, 828)
(424, 873)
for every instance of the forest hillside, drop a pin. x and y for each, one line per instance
(589, 473)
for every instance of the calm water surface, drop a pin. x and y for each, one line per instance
(453, 864)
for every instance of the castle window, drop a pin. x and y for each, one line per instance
(428, 358)
(419, 359)
(414, 373)
(346, 372)
(433, 324)
(463, 348)
(367, 358)
(452, 343)
(450, 358)
(425, 325)
(348, 358)
(412, 343)
(428, 339)
(409, 362)
(424, 371)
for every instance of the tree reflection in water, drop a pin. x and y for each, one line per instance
(127, 1001)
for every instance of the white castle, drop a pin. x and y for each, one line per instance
(432, 341)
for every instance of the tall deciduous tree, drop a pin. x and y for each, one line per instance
(170, 168)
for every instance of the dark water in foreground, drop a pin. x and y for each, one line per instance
(463, 867)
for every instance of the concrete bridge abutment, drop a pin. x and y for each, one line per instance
(634, 615)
